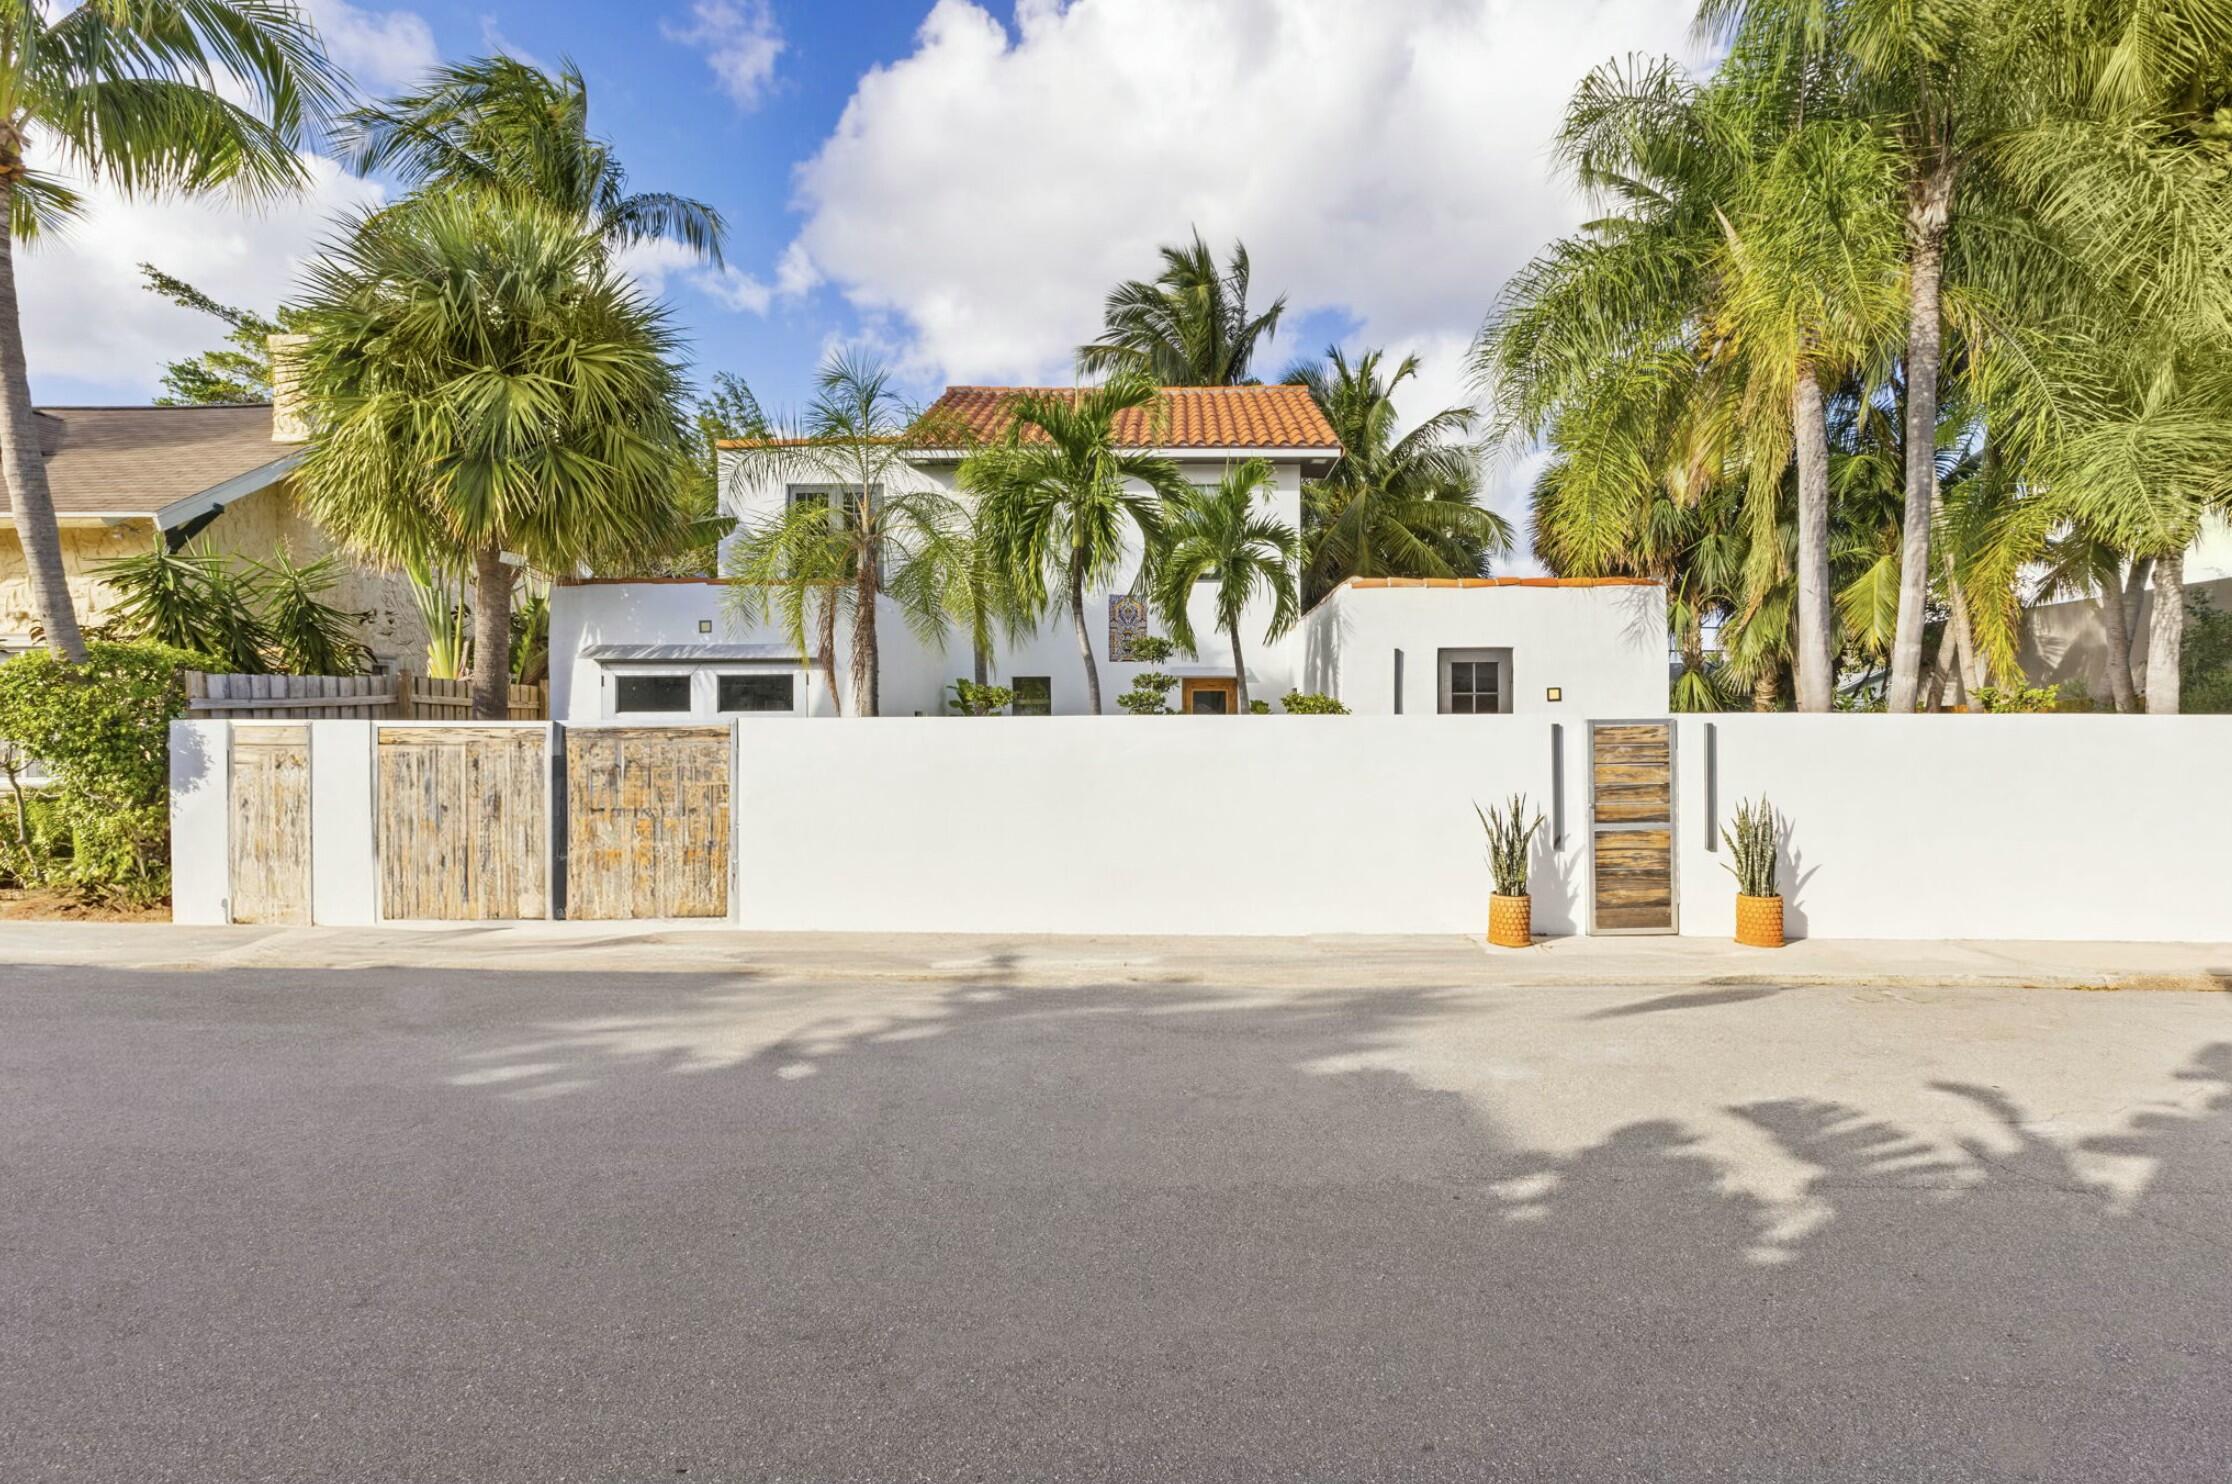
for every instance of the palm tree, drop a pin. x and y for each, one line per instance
(1190, 326)
(2030, 138)
(486, 384)
(1056, 501)
(498, 123)
(1218, 535)
(869, 528)
(1392, 505)
(148, 98)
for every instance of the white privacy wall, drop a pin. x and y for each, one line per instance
(1136, 825)
(2071, 827)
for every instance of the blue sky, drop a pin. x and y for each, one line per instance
(953, 186)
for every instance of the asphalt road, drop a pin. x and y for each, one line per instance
(475, 1226)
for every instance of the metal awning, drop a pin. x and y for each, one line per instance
(689, 654)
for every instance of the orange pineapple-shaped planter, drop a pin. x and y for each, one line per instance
(1511, 921)
(1759, 921)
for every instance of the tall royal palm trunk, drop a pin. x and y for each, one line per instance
(2166, 634)
(2135, 652)
(29, 500)
(1084, 641)
(1239, 667)
(492, 598)
(1929, 215)
(2115, 630)
(1816, 622)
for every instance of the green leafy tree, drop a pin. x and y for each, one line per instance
(1396, 503)
(867, 528)
(238, 373)
(1060, 503)
(502, 125)
(1149, 694)
(151, 97)
(486, 382)
(1188, 326)
(1222, 535)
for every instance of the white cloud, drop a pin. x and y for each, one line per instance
(741, 42)
(381, 49)
(496, 44)
(659, 265)
(1389, 160)
(86, 315)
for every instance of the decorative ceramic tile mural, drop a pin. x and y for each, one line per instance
(1127, 625)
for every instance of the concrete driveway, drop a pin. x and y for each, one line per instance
(438, 1225)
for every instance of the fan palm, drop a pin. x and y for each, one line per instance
(147, 97)
(1219, 535)
(1190, 326)
(485, 383)
(869, 528)
(1060, 501)
(498, 123)
(1392, 505)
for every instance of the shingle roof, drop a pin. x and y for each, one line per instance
(136, 460)
(1209, 417)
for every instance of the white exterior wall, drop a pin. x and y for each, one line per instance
(2012, 827)
(669, 611)
(1603, 648)
(2069, 827)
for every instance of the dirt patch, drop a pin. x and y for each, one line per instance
(44, 904)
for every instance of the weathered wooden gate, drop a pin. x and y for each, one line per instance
(647, 822)
(463, 824)
(270, 805)
(1631, 827)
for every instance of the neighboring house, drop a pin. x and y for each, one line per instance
(125, 478)
(2065, 644)
(674, 649)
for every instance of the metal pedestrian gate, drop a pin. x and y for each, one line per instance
(647, 822)
(1631, 827)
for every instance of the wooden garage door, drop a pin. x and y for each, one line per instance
(647, 822)
(463, 826)
(270, 844)
(1631, 827)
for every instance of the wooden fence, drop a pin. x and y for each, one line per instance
(399, 696)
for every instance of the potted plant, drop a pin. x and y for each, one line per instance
(1759, 904)
(1510, 838)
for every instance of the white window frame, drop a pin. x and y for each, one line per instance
(615, 673)
(798, 682)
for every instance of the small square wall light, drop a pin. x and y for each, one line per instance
(705, 625)
(1554, 693)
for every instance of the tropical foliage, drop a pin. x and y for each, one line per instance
(1060, 502)
(1510, 835)
(249, 619)
(1752, 840)
(1223, 536)
(487, 384)
(857, 525)
(1188, 326)
(150, 98)
(1397, 503)
(102, 728)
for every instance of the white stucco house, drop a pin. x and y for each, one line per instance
(675, 649)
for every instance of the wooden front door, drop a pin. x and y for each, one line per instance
(1209, 696)
(1631, 827)
(270, 824)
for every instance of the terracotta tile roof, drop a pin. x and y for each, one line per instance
(136, 460)
(1208, 417)
(1362, 582)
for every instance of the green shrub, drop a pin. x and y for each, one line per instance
(1150, 689)
(103, 731)
(2019, 698)
(971, 699)
(1299, 703)
(1259, 708)
(2205, 662)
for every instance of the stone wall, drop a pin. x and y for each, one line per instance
(83, 548)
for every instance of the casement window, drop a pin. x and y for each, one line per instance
(748, 693)
(1034, 695)
(1475, 682)
(651, 694)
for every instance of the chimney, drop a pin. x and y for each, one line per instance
(290, 421)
